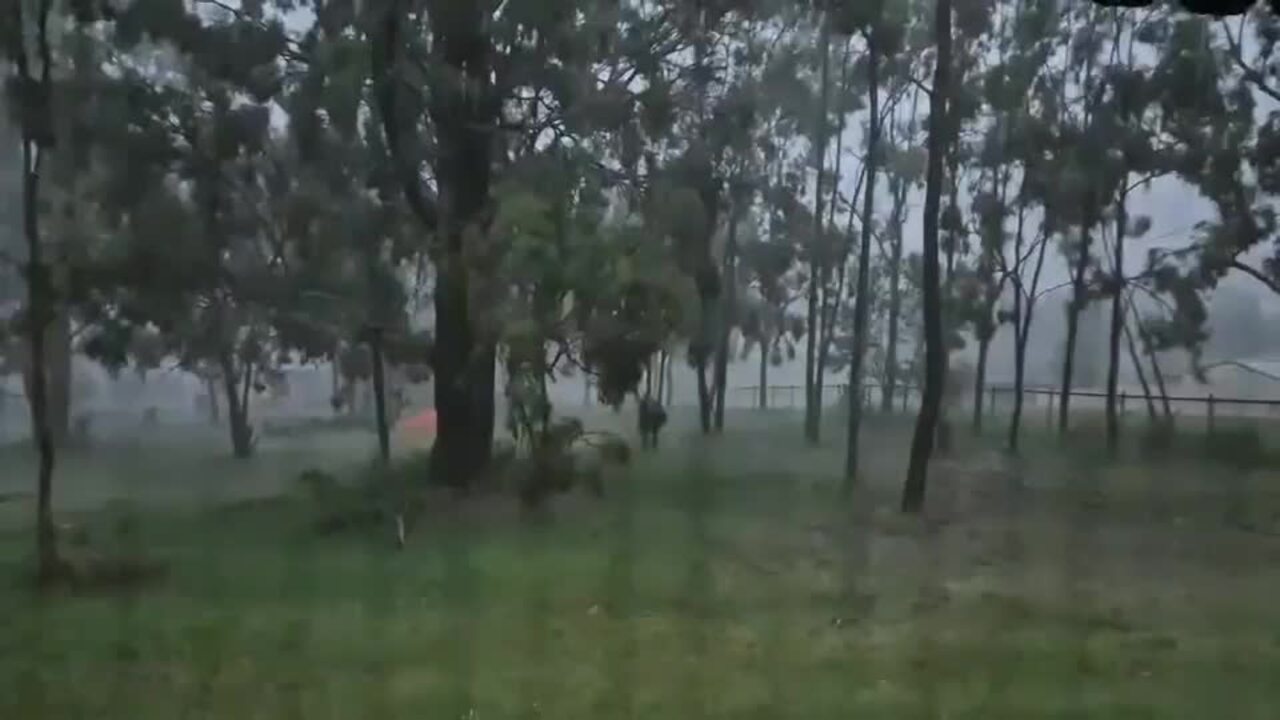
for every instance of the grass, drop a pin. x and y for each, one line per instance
(718, 579)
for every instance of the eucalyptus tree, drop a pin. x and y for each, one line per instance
(884, 29)
(940, 135)
(904, 169)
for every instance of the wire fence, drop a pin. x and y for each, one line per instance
(999, 400)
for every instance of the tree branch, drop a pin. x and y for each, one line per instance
(1250, 73)
(1256, 275)
(382, 46)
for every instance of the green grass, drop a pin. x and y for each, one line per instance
(718, 579)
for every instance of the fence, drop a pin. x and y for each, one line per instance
(1000, 399)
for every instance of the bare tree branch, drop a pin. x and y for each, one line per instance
(1252, 74)
(1256, 275)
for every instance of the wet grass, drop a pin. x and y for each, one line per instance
(723, 579)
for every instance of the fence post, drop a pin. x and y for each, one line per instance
(1048, 415)
(1211, 414)
(1124, 398)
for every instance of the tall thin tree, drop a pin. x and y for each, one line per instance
(913, 491)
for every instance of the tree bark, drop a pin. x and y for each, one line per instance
(1117, 324)
(237, 389)
(380, 397)
(705, 398)
(913, 492)
(980, 383)
(817, 270)
(464, 110)
(862, 304)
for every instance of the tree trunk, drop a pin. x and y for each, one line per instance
(58, 360)
(41, 309)
(830, 302)
(211, 390)
(895, 299)
(1117, 323)
(671, 381)
(913, 492)
(948, 298)
(1156, 372)
(817, 269)
(1137, 368)
(237, 406)
(728, 315)
(380, 397)
(40, 313)
(862, 304)
(1074, 308)
(980, 383)
(1019, 379)
(464, 110)
(764, 373)
(1023, 314)
(704, 399)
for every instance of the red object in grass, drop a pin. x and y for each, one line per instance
(424, 423)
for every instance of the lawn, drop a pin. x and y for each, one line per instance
(723, 578)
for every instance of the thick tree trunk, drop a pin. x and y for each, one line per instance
(1117, 324)
(237, 395)
(464, 109)
(862, 304)
(913, 492)
(817, 269)
(704, 399)
(380, 397)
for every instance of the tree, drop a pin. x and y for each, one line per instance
(766, 324)
(28, 48)
(913, 492)
(883, 36)
(904, 167)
